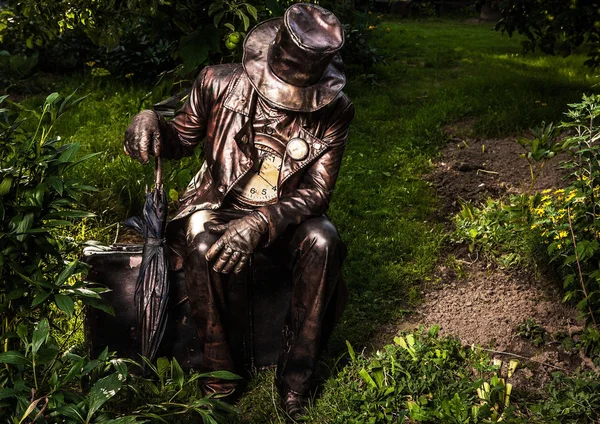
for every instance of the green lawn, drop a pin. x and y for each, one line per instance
(438, 72)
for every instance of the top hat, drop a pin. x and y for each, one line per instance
(293, 62)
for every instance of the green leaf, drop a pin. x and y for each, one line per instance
(215, 5)
(70, 214)
(365, 376)
(52, 98)
(223, 375)
(13, 357)
(351, 351)
(70, 411)
(74, 371)
(40, 335)
(246, 21)
(177, 373)
(16, 294)
(101, 392)
(5, 185)
(57, 184)
(65, 304)
(99, 304)
(7, 393)
(195, 47)
(84, 292)
(69, 153)
(67, 272)
(22, 331)
(40, 298)
(173, 195)
(252, 11)
(218, 17)
(163, 365)
(24, 224)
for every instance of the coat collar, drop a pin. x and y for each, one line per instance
(240, 95)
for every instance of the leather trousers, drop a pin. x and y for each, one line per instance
(312, 252)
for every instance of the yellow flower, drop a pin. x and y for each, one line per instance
(561, 235)
(90, 63)
(100, 72)
(387, 29)
(559, 245)
(570, 195)
(129, 75)
(371, 27)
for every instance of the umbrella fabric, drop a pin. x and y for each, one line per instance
(152, 286)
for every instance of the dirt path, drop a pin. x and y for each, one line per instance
(479, 302)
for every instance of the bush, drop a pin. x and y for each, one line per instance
(419, 378)
(553, 26)
(43, 377)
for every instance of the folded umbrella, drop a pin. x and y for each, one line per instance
(152, 286)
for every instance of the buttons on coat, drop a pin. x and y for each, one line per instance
(222, 188)
(297, 148)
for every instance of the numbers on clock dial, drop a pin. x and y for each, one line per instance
(259, 186)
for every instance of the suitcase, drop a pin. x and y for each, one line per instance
(258, 309)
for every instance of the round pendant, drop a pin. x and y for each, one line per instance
(297, 148)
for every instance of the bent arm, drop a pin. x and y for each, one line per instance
(313, 194)
(187, 129)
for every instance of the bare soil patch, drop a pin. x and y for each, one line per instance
(478, 302)
(475, 169)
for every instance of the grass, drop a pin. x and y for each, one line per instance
(439, 72)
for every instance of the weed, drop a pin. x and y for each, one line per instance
(531, 331)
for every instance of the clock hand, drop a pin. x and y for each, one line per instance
(267, 181)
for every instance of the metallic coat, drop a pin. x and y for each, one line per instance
(219, 111)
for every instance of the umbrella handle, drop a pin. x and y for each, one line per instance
(158, 173)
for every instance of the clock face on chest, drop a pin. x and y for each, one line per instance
(259, 186)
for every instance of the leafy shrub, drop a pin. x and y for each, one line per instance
(554, 27)
(42, 376)
(138, 38)
(421, 378)
(36, 200)
(569, 400)
(493, 231)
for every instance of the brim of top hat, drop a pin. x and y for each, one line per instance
(274, 89)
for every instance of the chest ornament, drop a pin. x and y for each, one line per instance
(297, 148)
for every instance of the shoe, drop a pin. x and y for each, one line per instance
(294, 405)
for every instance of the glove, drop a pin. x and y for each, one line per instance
(143, 136)
(240, 238)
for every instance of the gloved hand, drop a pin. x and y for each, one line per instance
(240, 238)
(143, 136)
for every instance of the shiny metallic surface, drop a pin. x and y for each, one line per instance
(297, 149)
(294, 62)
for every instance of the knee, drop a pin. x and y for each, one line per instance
(323, 236)
(201, 243)
(198, 239)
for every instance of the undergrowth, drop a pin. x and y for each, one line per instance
(437, 73)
